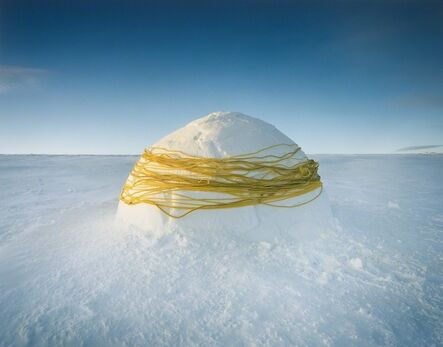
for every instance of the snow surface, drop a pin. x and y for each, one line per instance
(221, 134)
(69, 276)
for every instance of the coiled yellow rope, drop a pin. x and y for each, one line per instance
(173, 180)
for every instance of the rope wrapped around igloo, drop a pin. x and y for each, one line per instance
(179, 183)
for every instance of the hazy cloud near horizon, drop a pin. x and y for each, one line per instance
(19, 77)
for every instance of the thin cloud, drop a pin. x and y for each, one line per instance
(17, 77)
(421, 101)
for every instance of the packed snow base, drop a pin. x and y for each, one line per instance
(69, 276)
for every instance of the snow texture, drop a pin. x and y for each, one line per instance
(221, 134)
(69, 276)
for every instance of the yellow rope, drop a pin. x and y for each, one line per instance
(174, 180)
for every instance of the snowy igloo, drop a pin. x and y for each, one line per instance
(226, 134)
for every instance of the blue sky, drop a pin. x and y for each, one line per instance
(115, 76)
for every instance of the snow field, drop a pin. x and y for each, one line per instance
(70, 276)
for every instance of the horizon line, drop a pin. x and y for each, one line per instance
(138, 154)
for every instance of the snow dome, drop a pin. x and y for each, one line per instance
(223, 135)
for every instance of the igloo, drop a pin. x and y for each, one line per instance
(227, 134)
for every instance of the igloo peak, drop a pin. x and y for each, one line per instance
(220, 134)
